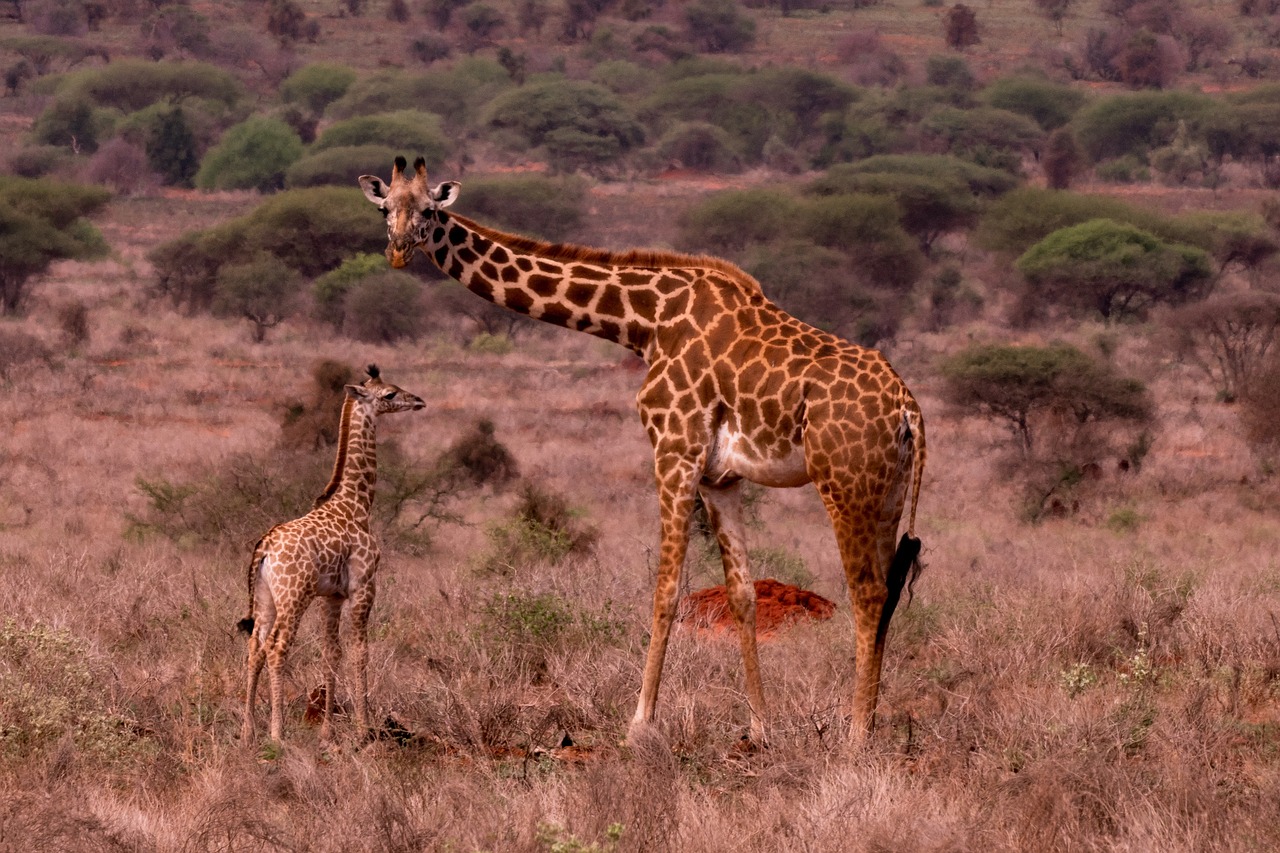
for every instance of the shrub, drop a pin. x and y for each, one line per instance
(130, 85)
(578, 122)
(19, 349)
(121, 166)
(330, 290)
(317, 85)
(1114, 268)
(550, 208)
(719, 26)
(73, 319)
(172, 150)
(1134, 124)
(53, 688)
(405, 130)
(929, 206)
(985, 135)
(1230, 337)
(73, 122)
(430, 47)
(339, 166)
(38, 161)
(1015, 222)
(699, 146)
(951, 72)
(1050, 104)
(478, 457)
(1244, 240)
(1016, 383)
(866, 229)
(311, 230)
(251, 155)
(729, 221)
(384, 307)
(818, 285)
(175, 28)
(263, 290)
(543, 528)
(310, 426)
(456, 94)
(1260, 408)
(960, 26)
(983, 181)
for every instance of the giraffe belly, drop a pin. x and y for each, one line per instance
(734, 457)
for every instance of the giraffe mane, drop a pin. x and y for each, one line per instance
(343, 431)
(572, 253)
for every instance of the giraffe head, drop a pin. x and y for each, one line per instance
(382, 397)
(409, 205)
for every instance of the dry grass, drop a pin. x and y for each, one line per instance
(1080, 684)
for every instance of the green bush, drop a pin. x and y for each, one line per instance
(866, 229)
(1015, 383)
(985, 135)
(53, 687)
(699, 146)
(1114, 268)
(316, 86)
(330, 290)
(820, 286)
(384, 307)
(262, 289)
(982, 181)
(405, 130)
(339, 166)
(551, 208)
(929, 206)
(1136, 123)
(730, 221)
(311, 230)
(130, 85)
(577, 121)
(251, 155)
(719, 26)
(456, 94)
(74, 122)
(624, 78)
(1015, 222)
(542, 528)
(1050, 104)
(42, 221)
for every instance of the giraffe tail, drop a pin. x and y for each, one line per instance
(259, 554)
(905, 568)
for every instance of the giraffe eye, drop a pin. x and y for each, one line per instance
(391, 396)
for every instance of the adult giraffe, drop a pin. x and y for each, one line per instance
(737, 389)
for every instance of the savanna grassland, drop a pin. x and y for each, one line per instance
(1091, 659)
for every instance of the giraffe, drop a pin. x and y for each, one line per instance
(736, 389)
(329, 553)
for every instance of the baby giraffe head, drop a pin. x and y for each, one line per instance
(380, 397)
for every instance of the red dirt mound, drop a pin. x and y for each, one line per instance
(777, 605)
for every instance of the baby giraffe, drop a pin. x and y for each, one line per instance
(330, 553)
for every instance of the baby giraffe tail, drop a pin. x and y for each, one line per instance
(246, 624)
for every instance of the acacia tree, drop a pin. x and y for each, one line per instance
(42, 222)
(961, 26)
(263, 290)
(1016, 383)
(1114, 268)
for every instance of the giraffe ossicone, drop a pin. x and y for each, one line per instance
(737, 389)
(328, 553)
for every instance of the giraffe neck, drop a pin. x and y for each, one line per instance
(355, 470)
(615, 296)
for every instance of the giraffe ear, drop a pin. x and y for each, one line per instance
(374, 189)
(445, 194)
(358, 392)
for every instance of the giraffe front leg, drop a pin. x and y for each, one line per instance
(724, 508)
(332, 653)
(676, 479)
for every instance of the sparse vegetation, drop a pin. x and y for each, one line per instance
(1089, 662)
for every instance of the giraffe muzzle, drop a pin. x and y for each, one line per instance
(398, 256)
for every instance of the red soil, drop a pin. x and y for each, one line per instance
(777, 606)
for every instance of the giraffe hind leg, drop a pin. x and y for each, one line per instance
(724, 508)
